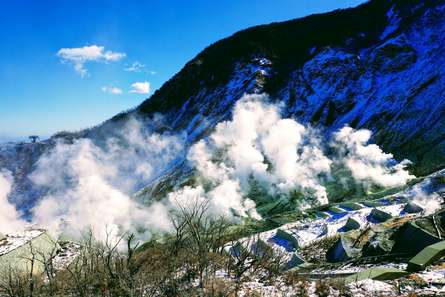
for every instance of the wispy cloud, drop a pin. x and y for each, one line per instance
(135, 67)
(79, 56)
(140, 87)
(112, 90)
(139, 67)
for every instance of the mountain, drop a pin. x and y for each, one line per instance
(379, 66)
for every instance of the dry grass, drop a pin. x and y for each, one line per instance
(398, 222)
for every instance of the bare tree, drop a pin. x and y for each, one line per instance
(33, 138)
(46, 258)
(201, 237)
(252, 257)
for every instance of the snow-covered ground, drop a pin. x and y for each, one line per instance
(66, 255)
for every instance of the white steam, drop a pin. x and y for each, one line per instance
(429, 202)
(90, 186)
(9, 217)
(423, 194)
(257, 144)
(367, 162)
(281, 156)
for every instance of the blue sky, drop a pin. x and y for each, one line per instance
(61, 61)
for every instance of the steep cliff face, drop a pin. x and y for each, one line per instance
(379, 66)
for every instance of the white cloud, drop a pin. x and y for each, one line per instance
(79, 56)
(111, 90)
(139, 67)
(140, 87)
(135, 67)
